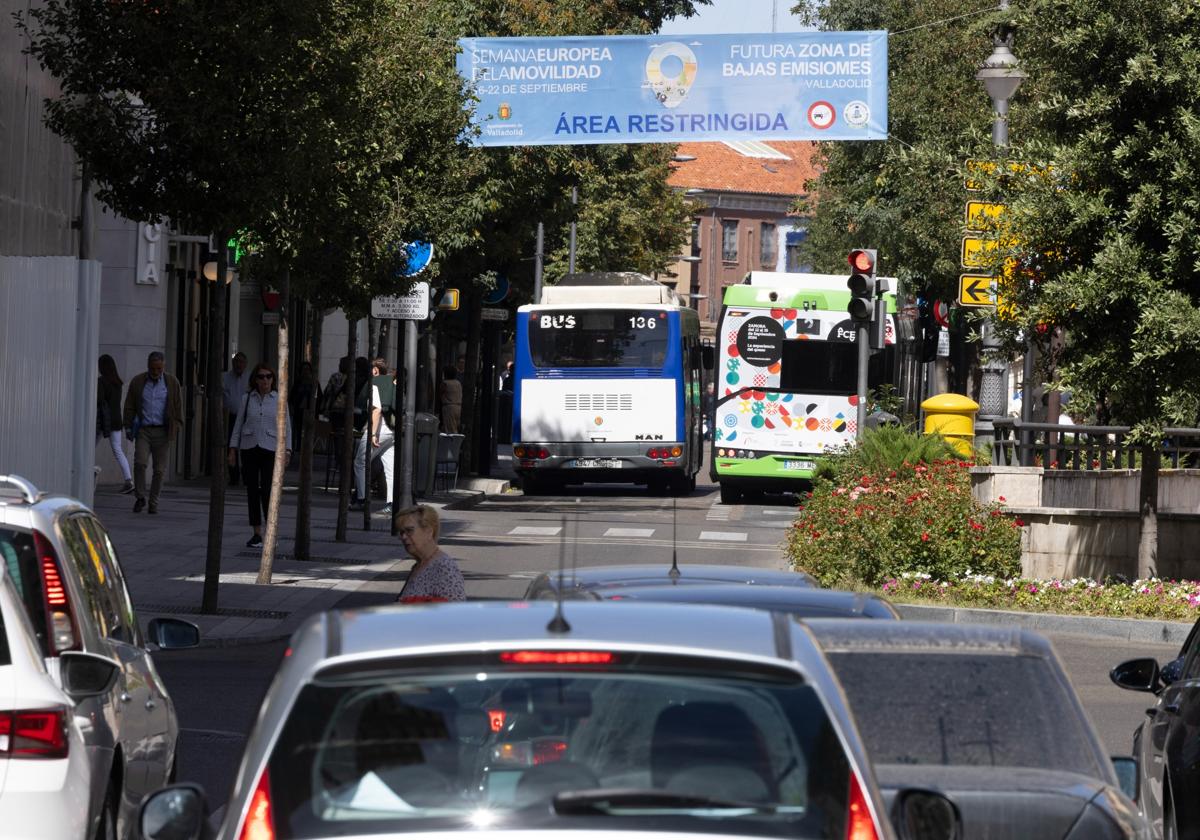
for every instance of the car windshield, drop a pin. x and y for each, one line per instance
(387, 751)
(969, 709)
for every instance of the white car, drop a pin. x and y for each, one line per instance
(44, 770)
(65, 572)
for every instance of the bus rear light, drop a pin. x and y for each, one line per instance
(60, 619)
(676, 451)
(34, 734)
(519, 451)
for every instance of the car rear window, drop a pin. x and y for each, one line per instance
(969, 709)
(394, 750)
(18, 555)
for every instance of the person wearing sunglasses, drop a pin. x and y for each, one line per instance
(255, 436)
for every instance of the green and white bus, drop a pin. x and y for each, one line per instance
(786, 376)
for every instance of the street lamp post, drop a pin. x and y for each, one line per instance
(1001, 76)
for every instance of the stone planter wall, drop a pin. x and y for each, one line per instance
(1085, 523)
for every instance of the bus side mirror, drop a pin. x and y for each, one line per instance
(707, 357)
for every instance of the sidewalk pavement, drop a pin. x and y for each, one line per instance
(163, 556)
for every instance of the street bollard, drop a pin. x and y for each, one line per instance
(953, 417)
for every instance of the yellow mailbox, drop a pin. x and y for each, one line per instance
(953, 417)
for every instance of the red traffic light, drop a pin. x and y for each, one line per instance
(863, 260)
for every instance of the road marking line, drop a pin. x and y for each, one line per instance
(775, 512)
(724, 536)
(629, 532)
(536, 531)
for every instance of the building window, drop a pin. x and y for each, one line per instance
(768, 249)
(729, 240)
(695, 237)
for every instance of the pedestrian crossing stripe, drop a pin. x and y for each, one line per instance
(535, 531)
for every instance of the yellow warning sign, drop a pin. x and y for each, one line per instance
(982, 215)
(976, 290)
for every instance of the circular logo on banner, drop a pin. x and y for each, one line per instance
(857, 114)
(821, 115)
(670, 72)
(760, 341)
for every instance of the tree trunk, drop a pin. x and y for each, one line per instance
(1147, 560)
(346, 483)
(469, 403)
(218, 435)
(281, 433)
(303, 541)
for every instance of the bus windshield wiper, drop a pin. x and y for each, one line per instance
(606, 800)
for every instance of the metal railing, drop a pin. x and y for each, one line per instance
(1053, 445)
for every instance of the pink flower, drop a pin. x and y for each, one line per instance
(1032, 589)
(924, 536)
(1001, 498)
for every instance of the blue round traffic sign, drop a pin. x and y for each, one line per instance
(499, 293)
(417, 256)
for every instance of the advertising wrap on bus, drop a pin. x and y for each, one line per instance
(786, 378)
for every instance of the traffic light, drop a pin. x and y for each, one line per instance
(929, 330)
(862, 284)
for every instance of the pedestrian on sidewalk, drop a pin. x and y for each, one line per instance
(382, 440)
(235, 382)
(255, 438)
(385, 381)
(108, 415)
(451, 398)
(153, 414)
(436, 577)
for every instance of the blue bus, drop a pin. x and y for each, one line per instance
(607, 379)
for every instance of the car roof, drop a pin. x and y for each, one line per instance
(794, 599)
(590, 577)
(490, 625)
(926, 637)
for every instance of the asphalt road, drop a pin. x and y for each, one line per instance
(503, 543)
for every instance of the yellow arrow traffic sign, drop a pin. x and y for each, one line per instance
(976, 290)
(982, 215)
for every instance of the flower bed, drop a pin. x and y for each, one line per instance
(866, 528)
(1151, 598)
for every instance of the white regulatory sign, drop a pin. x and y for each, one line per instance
(413, 306)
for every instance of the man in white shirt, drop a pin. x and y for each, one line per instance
(382, 442)
(236, 384)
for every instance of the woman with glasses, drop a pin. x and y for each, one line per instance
(255, 436)
(436, 576)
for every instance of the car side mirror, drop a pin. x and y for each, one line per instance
(86, 674)
(174, 813)
(920, 814)
(1136, 675)
(1127, 774)
(173, 633)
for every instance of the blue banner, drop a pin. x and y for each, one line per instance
(662, 89)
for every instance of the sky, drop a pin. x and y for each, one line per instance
(730, 16)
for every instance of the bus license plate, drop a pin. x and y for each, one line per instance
(799, 465)
(599, 463)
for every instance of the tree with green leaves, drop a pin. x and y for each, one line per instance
(1104, 223)
(285, 120)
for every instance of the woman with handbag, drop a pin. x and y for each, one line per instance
(254, 434)
(108, 416)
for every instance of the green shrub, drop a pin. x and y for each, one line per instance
(865, 527)
(892, 449)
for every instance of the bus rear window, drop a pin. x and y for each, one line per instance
(828, 367)
(598, 338)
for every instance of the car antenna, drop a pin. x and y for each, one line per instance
(674, 573)
(558, 624)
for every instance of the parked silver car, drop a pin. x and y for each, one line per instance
(516, 719)
(66, 571)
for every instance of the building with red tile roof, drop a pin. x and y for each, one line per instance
(744, 192)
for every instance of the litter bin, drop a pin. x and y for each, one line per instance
(426, 428)
(953, 417)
